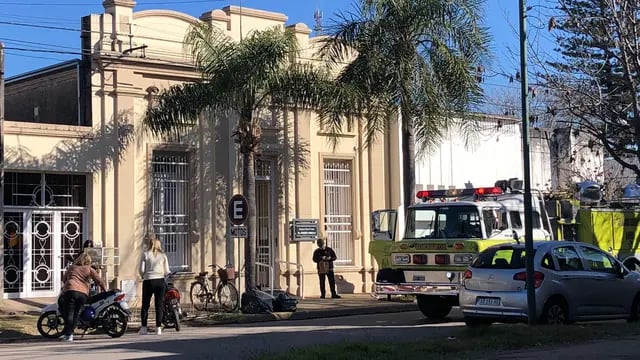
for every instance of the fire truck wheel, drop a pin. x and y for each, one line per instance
(433, 307)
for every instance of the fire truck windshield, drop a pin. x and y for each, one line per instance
(446, 222)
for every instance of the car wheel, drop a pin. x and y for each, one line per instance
(433, 307)
(555, 312)
(635, 310)
(475, 322)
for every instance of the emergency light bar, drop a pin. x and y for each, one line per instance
(438, 194)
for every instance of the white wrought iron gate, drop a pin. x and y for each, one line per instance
(39, 244)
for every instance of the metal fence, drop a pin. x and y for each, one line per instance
(338, 216)
(171, 204)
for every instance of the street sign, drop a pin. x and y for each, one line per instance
(239, 232)
(304, 229)
(238, 209)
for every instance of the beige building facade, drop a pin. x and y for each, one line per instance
(79, 166)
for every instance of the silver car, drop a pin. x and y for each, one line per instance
(574, 281)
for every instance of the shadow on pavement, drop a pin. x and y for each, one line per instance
(251, 341)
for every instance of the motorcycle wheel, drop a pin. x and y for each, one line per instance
(176, 317)
(115, 323)
(171, 318)
(50, 325)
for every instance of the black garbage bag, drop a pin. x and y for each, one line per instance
(256, 302)
(285, 303)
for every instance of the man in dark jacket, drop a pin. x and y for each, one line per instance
(324, 256)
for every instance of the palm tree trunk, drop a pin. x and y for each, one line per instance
(249, 190)
(408, 157)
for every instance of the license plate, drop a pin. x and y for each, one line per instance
(488, 301)
(124, 305)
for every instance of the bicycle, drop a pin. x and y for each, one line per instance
(226, 293)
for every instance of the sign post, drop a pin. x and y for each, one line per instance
(237, 211)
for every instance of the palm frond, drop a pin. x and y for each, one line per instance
(210, 48)
(176, 109)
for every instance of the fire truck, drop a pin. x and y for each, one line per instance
(442, 234)
(584, 215)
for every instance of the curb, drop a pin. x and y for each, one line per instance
(315, 314)
(300, 315)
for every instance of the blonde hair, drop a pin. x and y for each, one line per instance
(83, 259)
(154, 245)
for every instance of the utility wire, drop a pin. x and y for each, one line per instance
(32, 56)
(44, 51)
(13, 3)
(21, 42)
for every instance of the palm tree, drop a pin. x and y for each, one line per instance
(418, 57)
(238, 78)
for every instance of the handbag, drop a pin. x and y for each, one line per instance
(323, 267)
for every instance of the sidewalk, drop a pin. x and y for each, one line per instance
(310, 308)
(30, 306)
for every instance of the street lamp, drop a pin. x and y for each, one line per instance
(528, 208)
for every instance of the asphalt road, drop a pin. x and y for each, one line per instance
(247, 341)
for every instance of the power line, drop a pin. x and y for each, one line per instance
(45, 51)
(20, 42)
(32, 56)
(63, 28)
(99, 4)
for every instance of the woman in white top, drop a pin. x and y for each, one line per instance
(154, 265)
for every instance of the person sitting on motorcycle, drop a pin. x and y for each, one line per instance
(154, 266)
(75, 292)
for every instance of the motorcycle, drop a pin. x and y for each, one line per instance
(172, 312)
(107, 311)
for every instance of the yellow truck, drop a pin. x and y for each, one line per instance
(442, 234)
(610, 225)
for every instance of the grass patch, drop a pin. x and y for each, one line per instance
(467, 343)
(18, 326)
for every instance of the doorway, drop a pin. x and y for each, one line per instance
(265, 220)
(39, 245)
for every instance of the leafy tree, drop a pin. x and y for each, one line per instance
(239, 78)
(414, 58)
(596, 76)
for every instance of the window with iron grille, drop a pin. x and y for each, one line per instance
(170, 197)
(338, 209)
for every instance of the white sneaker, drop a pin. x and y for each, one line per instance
(143, 331)
(159, 331)
(67, 338)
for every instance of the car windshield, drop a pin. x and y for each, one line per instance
(443, 223)
(500, 258)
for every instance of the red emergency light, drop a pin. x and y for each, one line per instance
(438, 194)
(488, 191)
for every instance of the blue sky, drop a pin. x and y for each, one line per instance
(501, 18)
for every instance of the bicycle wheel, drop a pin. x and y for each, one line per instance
(198, 295)
(228, 297)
